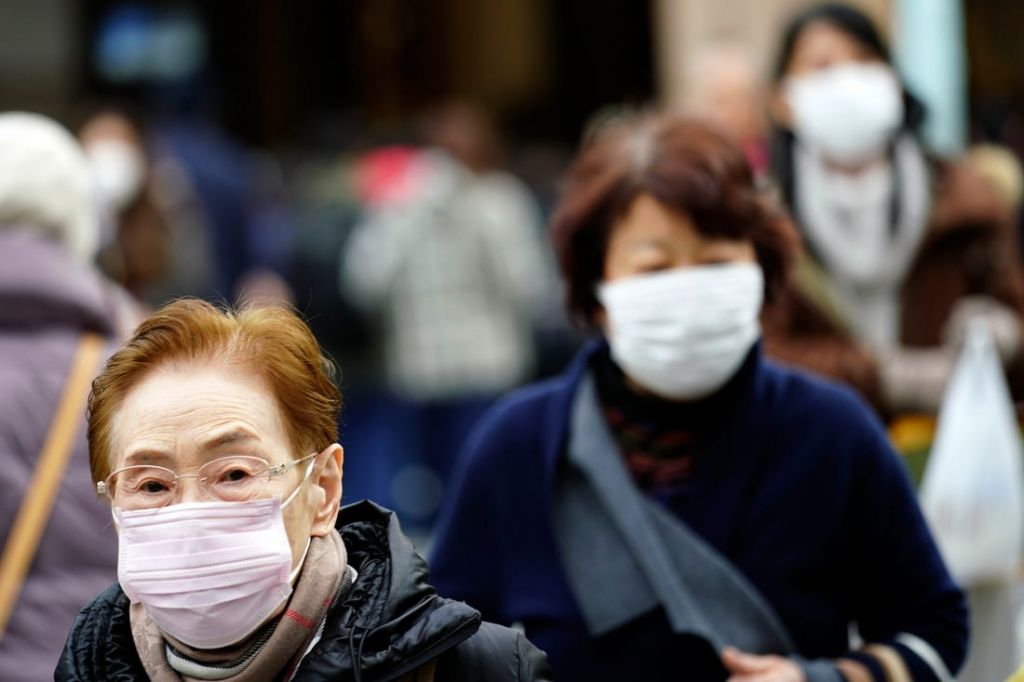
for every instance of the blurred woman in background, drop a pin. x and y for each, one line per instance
(675, 506)
(136, 239)
(902, 250)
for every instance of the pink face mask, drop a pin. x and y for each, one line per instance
(208, 573)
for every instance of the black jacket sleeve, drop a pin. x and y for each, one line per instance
(100, 644)
(494, 654)
(533, 663)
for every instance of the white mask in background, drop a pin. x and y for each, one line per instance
(118, 171)
(683, 333)
(208, 573)
(849, 112)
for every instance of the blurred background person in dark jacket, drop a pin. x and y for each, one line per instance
(50, 294)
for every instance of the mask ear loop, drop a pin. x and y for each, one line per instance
(302, 560)
(305, 477)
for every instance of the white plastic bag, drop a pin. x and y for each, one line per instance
(973, 491)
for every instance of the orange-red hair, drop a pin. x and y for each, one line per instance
(273, 342)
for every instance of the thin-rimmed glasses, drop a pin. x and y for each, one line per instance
(237, 478)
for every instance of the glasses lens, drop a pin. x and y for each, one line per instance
(235, 479)
(141, 487)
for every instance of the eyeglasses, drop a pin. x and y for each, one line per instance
(238, 478)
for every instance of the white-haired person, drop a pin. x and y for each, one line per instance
(58, 316)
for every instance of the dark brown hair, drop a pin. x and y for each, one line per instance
(684, 164)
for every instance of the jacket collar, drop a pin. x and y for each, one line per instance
(391, 620)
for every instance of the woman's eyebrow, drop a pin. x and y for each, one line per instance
(657, 242)
(233, 437)
(147, 456)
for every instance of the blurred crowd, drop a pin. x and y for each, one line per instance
(423, 264)
(424, 268)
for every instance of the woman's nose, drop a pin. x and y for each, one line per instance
(189, 489)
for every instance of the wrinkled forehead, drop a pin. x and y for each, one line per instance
(187, 415)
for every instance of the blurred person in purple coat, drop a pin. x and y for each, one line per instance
(50, 294)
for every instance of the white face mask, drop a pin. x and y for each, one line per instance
(208, 573)
(683, 333)
(848, 112)
(118, 171)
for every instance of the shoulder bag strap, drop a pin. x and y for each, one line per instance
(41, 494)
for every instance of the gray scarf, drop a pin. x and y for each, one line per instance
(626, 555)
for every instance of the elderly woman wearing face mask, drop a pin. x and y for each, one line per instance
(903, 251)
(675, 506)
(213, 436)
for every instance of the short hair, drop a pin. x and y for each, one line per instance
(45, 183)
(272, 341)
(686, 165)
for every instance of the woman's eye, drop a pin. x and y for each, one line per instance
(152, 487)
(648, 268)
(234, 475)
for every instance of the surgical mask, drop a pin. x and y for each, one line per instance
(208, 573)
(683, 333)
(118, 170)
(848, 112)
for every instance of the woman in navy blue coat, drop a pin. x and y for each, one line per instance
(675, 506)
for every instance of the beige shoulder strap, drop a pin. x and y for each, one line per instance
(41, 493)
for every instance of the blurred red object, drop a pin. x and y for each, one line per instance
(387, 175)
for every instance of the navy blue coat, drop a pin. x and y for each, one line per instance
(801, 492)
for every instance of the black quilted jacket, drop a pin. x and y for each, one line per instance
(389, 624)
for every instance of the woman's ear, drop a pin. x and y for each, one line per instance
(327, 477)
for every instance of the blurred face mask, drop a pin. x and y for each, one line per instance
(208, 573)
(118, 171)
(683, 333)
(848, 112)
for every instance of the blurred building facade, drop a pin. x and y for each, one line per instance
(284, 72)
